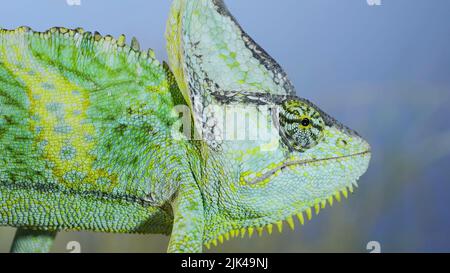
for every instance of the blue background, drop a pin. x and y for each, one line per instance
(382, 70)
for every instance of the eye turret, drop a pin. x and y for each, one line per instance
(300, 125)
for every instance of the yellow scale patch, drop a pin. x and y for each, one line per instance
(174, 38)
(56, 102)
(247, 177)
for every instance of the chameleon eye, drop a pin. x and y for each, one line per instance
(305, 122)
(301, 125)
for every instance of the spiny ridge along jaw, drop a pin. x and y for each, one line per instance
(302, 216)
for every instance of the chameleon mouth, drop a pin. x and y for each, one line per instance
(304, 214)
(254, 179)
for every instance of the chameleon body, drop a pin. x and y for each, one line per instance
(94, 136)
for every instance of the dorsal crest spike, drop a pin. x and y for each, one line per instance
(121, 40)
(135, 44)
(97, 36)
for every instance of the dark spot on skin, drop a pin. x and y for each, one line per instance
(134, 160)
(121, 128)
(108, 146)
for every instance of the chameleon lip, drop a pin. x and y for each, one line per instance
(302, 162)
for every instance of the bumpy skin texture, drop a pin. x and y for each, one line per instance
(85, 138)
(36, 241)
(253, 178)
(90, 136)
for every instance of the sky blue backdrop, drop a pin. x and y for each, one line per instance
(383, 70)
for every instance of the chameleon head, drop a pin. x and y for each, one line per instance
(273, 155)
(310, 160)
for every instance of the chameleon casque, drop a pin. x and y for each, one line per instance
(92, 136)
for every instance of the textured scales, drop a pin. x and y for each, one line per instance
(83, 117)
(225, 76)
(90, 136)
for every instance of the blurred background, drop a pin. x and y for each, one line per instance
(383, 70)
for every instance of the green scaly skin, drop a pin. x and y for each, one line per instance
(91, 139)
(36, 241)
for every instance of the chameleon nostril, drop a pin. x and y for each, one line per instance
(341, 142)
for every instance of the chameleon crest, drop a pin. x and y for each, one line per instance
(90, 136)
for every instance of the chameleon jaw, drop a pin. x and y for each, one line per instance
(302, 216)
(302, 213)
